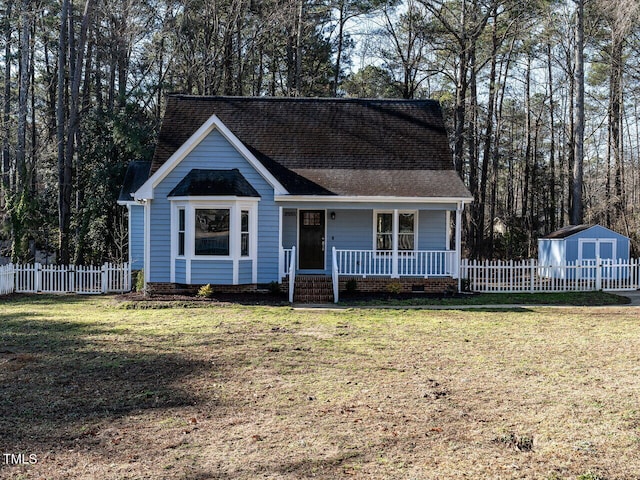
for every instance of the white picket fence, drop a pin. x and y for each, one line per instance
(36, 278)
(7, 280)
(528, 276)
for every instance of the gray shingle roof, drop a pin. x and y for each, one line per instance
(567, 231)
(199, 182)
(351, 147)
(137, 173)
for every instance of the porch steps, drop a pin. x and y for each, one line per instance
(313, 289)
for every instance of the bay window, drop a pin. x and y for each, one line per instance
(214, 230)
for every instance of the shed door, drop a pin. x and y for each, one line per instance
(311, 255)
(589, 250)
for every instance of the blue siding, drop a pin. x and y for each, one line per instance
(596, 232)
(214, 272)
(351, 230)
(181, 270)
(213, 152)
(432, 230)
(136, 237)
(245, 271)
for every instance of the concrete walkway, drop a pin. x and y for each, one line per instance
(633, 295)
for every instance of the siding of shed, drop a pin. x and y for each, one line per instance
(596, 232)
(551, 252)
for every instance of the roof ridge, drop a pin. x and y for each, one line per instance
(184, 96)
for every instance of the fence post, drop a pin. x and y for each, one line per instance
(37, 277)
(71, 274)
(532, 272)
(103, 288)
(598, 274)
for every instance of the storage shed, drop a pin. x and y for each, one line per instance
(581, 245)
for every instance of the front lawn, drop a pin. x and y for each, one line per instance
(90, 389)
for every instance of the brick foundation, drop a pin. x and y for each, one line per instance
(160, 288)
(400, 285)
(393, 285)
(363, 285)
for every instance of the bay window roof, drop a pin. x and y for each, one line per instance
(201, 182)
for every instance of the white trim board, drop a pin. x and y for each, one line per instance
(146, 191)
(368, 199)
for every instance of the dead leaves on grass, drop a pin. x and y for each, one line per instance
(520, 443)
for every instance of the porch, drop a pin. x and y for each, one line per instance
(389, 241)
(373, 271)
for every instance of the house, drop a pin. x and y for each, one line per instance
(582, 246)
(244, 191)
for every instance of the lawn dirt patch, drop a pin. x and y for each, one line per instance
(92, 389)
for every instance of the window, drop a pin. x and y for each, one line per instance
(244, 233)
(386, 230)
(312, 219)
(181, 230)
(406, 231)
(212, 232)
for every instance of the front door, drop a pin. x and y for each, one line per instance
(311, 256)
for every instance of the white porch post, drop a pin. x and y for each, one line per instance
(456, 271)
(394, 254)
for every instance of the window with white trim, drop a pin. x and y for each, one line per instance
(388, 228)
(384, 231)
(244, 233)
(406, 231)
(212, 231)
(181, 231)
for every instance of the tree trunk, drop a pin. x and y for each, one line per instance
(488, 138)
(577, 212)
(64, 169)
(552, 148)
(615, 124)
(6, 160)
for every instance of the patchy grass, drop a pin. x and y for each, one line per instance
(94, 390)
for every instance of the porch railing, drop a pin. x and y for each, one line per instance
(420, 263)
(287, 255)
